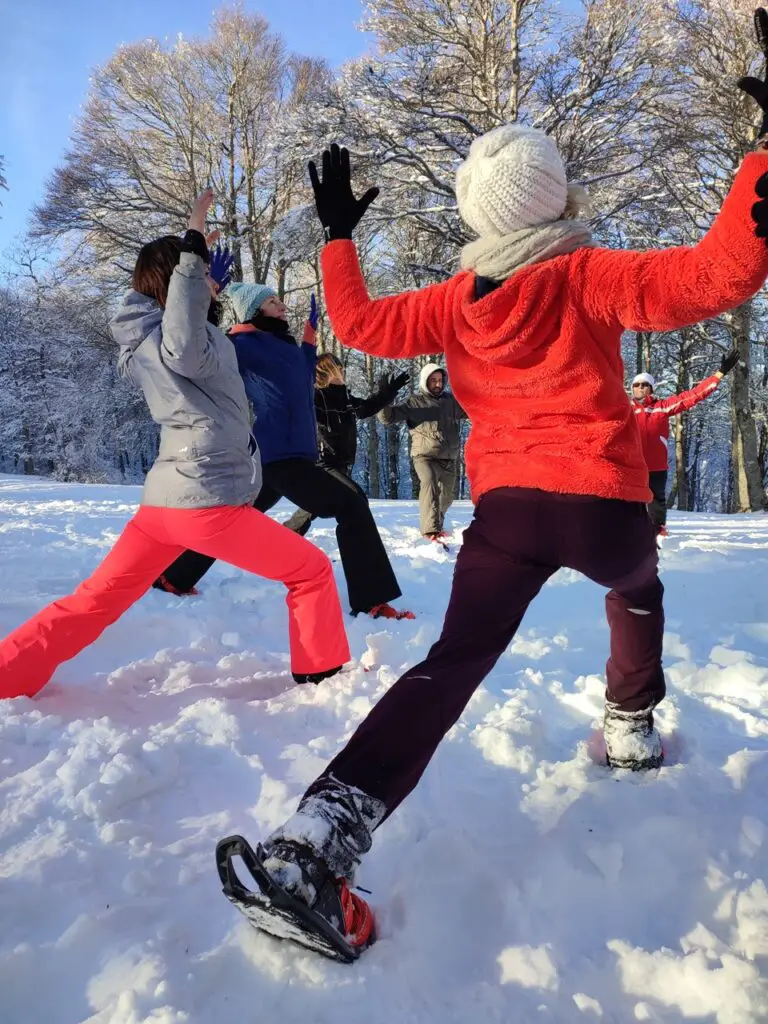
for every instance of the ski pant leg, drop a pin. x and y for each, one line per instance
(493, 585)
(657, 481)
(329, 494)
(30, 655)
(614, 544)
(430, 519)
(250, 540)
(190, 567)
(446, 473)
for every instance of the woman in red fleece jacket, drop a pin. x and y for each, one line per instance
(530, 330)
(652, 416)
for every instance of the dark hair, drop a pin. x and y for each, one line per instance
(156, 262)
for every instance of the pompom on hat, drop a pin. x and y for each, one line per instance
(512, 178)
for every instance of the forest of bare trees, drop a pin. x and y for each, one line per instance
(640, 97)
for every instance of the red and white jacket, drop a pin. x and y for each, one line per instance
(652, 417)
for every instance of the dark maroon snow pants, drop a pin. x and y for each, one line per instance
(517, 539)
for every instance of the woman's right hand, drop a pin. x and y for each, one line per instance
(200, 208)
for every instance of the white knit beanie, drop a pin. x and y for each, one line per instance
(644, 378)
(513, 178)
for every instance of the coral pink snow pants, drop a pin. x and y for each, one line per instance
(149, 543)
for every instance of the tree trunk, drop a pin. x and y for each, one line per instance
(642, 352)
(393, 463)
(748, 493)
(374, 477)
(680, 436)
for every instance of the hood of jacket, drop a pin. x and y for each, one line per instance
(138, 317)
(520, 317)
(426, 373)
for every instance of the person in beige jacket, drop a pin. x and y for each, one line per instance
(433, 416)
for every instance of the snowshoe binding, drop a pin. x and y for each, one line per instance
(631, 740)
(301, 901)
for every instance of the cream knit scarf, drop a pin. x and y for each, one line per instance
(499, 256)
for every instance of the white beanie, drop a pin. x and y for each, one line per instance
(512, 178)
(644, 378)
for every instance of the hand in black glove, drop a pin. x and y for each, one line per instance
(337, 208)
(760, 209)
(755, 87)
(399, 381)
(728, 361)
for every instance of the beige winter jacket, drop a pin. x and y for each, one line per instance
(434, 423)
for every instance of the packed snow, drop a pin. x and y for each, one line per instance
(521, 882)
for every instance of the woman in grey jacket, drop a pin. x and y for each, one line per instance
(200, 490)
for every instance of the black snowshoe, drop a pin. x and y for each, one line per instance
(338, 925)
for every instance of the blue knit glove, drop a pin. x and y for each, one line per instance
(313, 312)
(221, 265)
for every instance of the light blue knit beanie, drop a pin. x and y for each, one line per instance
(247, 299)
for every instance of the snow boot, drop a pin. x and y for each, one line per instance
(297, 898)
(316, 677)
(631, 739)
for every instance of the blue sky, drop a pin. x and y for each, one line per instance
(48, 48)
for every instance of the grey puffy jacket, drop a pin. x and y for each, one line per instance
(434, 423)
(187, 369)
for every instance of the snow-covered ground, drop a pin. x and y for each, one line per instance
(521, 882)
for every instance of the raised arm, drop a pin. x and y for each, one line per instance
(664, 289)
(412, 415)
(687, 399)
(395, 327)
(186, 347)
(670, 288)
(411, 324)
(388, 388)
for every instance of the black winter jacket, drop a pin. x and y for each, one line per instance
(337, 414)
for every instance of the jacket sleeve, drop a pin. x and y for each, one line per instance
(687, 399)
(186, 347)
(309, 351)
(396, 327)
(458, 411)
(364, 408)
(410, 414)
(664, 289)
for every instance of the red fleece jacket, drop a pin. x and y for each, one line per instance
(652, 417)
(537, 364)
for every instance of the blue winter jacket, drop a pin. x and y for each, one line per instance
(279, 378)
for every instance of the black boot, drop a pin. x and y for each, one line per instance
(316, 677)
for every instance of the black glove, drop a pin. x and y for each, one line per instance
(337, 208)
(755, 87)
(399, 381)
(728, 361)
(194, 242)
(760, 210)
